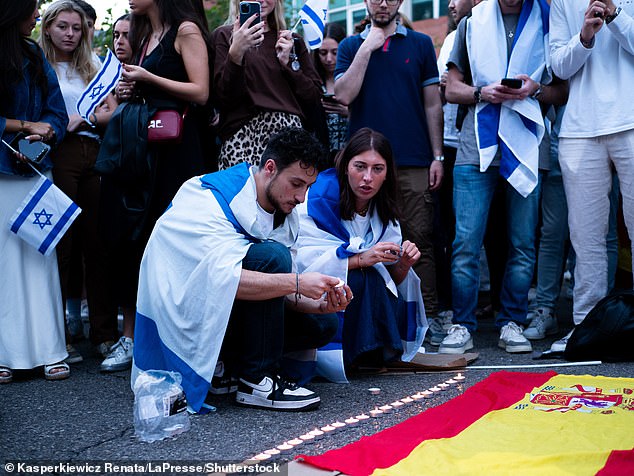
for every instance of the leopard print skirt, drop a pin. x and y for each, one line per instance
(249, 142)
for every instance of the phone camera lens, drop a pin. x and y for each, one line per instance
(244, 8)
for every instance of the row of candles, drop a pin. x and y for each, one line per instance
(319, 433)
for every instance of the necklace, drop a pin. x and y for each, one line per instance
(363, 212)
(511, 34)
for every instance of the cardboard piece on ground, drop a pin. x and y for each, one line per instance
(429, 362)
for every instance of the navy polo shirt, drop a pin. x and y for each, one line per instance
(391, 97)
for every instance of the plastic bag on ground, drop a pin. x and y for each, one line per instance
(160, 406)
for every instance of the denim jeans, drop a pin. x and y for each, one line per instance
(473, 193)
(259, 332)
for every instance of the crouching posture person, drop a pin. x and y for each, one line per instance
(217, 272)
(349, 229)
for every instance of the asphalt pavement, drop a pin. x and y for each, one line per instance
(88, 418)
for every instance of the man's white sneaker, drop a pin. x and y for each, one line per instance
(276, 394)
(438, 327)
(544, 323)
(222, 383)
(120, 356)
(512, 339)
(560, 345)
(458, 341)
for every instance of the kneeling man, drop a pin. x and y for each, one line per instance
(218, 268)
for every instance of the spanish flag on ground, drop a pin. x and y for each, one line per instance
(510, 423)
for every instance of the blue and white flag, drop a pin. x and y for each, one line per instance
(101, 85)
(516, 128)
(313, 16)
(44, 216)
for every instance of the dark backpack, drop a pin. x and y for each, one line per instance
(607, 332)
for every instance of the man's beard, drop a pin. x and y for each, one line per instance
(382, 23)
(272, 200)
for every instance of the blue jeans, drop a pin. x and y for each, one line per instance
(473, 193)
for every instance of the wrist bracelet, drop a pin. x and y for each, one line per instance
(297, 295)
(21, 125)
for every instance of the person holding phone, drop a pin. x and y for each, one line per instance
(264, 80)
(31, 103)
(66, 42)
(325, 61)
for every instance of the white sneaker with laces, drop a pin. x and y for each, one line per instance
(275, 393)
(438, 327)
(458, 341)
(120, 356)
(512, 339)
(560, 345)
(544, 323)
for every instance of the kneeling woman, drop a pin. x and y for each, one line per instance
(349, 228)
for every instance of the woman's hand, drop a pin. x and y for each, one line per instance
(337, 299)
(38, 131)
(76, 123)
(244, 37)
(410, 255)
(383, 252)
(125, 90)
(334, 107)
(283, 46)
(132, 73)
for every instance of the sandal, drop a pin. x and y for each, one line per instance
(6, 374)
(58, 371)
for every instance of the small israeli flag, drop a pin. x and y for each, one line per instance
(44, 216)
(313, 16)
(101, 85)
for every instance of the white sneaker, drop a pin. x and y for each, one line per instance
(560, 345)
(512, 339)
(438, 327)
(544, 323)
(120, 356)
(222, 383)
(458, 341)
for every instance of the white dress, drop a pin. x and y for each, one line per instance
(31, 315)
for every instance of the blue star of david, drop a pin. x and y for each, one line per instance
(43, 216)
(96, 91)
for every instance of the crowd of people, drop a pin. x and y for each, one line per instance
(316, 212)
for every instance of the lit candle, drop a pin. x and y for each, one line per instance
(418, 396)
(435, 389)
(307, 438)
(338, 426)
(351, 422)
(274, 452)
(295, 442)
(261, 457)
(397, 405)
(407, 400)
(443, 386)
(374, 390)
(376, 413)
(450, 381)
(318, 434)
(328, 430)
(426, 394)
(386, 409)
(285, 448)
(363, 418)
(459, 377)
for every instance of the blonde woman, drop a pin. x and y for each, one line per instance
(264, 81)
(66, 43)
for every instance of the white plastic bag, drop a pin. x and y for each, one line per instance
(160, 406)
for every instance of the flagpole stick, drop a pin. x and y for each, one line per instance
(294, 29)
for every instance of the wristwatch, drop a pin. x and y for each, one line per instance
(439, 158)
(477, 94)
(537, 92)
(610, 18)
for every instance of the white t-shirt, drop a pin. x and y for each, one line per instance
(265, 220)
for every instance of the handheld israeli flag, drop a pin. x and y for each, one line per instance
(44, 216)
(313, 17)
(101, 85)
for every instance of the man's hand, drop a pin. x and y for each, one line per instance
(375, 39)
(436, 172)
(337, 299)
(593, 19)
(314, 285)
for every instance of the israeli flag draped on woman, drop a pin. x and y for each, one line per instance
(516, 126)
(190, 274)
(325, 244)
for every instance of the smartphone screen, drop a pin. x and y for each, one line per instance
(512, 83)
(247, 10)
(35, 151)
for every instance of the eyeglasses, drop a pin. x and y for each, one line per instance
(391, 3)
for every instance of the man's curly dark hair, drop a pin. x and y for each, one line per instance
(294, 144)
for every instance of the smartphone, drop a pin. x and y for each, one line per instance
(247, 10)
(329, 97)
(35, 151)
(512, 83)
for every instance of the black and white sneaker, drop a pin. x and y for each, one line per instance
(222, 383)
(276, 394)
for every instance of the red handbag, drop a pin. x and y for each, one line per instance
(166, 126)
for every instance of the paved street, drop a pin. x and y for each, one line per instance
(89, 416)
